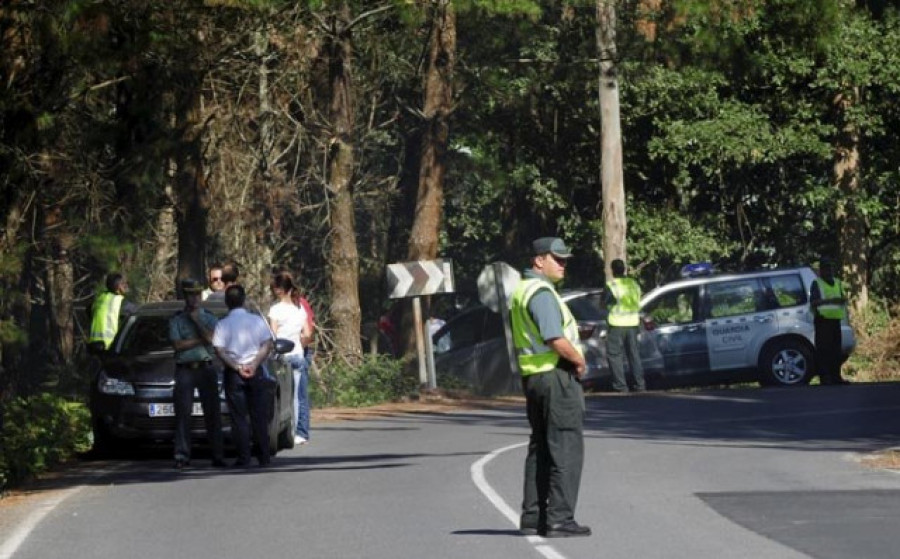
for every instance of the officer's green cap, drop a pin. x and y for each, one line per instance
(191, 286)
(552, 245)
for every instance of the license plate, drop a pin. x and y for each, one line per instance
(168, 410)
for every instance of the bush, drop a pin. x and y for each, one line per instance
(39, 432)
(376, 380)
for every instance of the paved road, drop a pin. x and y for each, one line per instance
(714, 474)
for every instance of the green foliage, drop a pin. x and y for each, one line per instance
(39, 432)
(376, 380)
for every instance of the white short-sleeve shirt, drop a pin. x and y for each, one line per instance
(240, 335)
(290, 320)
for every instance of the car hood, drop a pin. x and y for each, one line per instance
(154, 368)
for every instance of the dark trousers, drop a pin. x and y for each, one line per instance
(205, 380)
(250, 403)
(828, 349)
(555, 405)
(622, 342)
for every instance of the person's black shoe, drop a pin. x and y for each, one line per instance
(181, 463)
(567, 529)
(531, 531)
(240, 463)
(219, 463)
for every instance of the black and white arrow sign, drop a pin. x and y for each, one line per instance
(423, 277)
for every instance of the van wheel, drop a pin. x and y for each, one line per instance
(786, 363)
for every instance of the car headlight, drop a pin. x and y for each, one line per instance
(113, 386)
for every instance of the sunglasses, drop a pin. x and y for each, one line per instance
(212, 280)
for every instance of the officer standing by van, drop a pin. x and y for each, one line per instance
(827, 300)
(623, 299)
(546, 338)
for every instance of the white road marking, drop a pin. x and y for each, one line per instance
(477, 470)
(21, 532)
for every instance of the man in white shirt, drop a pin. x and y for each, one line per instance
(243, 341)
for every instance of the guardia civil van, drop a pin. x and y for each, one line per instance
(724, 328)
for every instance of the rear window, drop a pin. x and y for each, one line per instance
(786, 291)
(586, 307)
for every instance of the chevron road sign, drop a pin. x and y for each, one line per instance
(423, 277)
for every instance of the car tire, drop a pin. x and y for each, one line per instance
(286, 435)
(274, 426)
(103, 441)
(786, 363)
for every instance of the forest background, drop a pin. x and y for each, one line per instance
(334, 137)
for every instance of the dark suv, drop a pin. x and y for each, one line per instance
(131, 387)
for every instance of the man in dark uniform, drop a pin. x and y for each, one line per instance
(827, 302)
(623, 299)
(546, 339)
(191, 332)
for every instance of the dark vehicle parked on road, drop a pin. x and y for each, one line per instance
(471, 347)
(131, 388)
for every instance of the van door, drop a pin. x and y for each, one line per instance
(679, 331)
(740, 321)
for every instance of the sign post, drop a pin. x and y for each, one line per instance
(415, 279)
(496, 284)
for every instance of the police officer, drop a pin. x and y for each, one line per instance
(623, 299)
(826, 301)
(106, 310)
(191, 332)
(546, 340)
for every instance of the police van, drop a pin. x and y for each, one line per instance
(721, 328)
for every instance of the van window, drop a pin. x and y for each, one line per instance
(733, 298)
(787, 290)
(675, 307)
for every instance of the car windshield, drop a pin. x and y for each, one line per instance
(146, 334)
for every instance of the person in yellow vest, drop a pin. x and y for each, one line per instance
(827, 300)
(623, 300)
(551, 363)
(106, 311)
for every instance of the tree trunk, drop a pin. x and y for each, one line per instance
(611, 176)
(344, 257)
(166, 239)
(61, 307)
(192, 208)
(852, 225)
(423, 240)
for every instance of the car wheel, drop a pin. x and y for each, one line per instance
(274, 425)
(103, 441)
(786, 363)
(286, 435)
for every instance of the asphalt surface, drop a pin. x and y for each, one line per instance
(761, 473)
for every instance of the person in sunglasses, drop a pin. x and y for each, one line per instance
(214, 282)
(551, 362)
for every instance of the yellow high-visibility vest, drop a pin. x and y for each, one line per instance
(628, 302)
(836, 291)
(534, 356)
(105, 322)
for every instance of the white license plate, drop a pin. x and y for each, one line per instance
(168, 410)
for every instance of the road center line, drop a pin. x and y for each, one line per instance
(481, 483)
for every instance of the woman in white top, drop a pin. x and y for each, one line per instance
(291, 322)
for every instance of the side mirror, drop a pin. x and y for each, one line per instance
(283, 346)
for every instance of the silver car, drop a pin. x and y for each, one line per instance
(471, 347)
(737, 327)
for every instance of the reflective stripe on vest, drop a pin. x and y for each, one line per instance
(533, 354)
(628, 302)
(836, 291)
(105, 321)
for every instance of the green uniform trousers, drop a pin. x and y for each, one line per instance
(555, 405)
